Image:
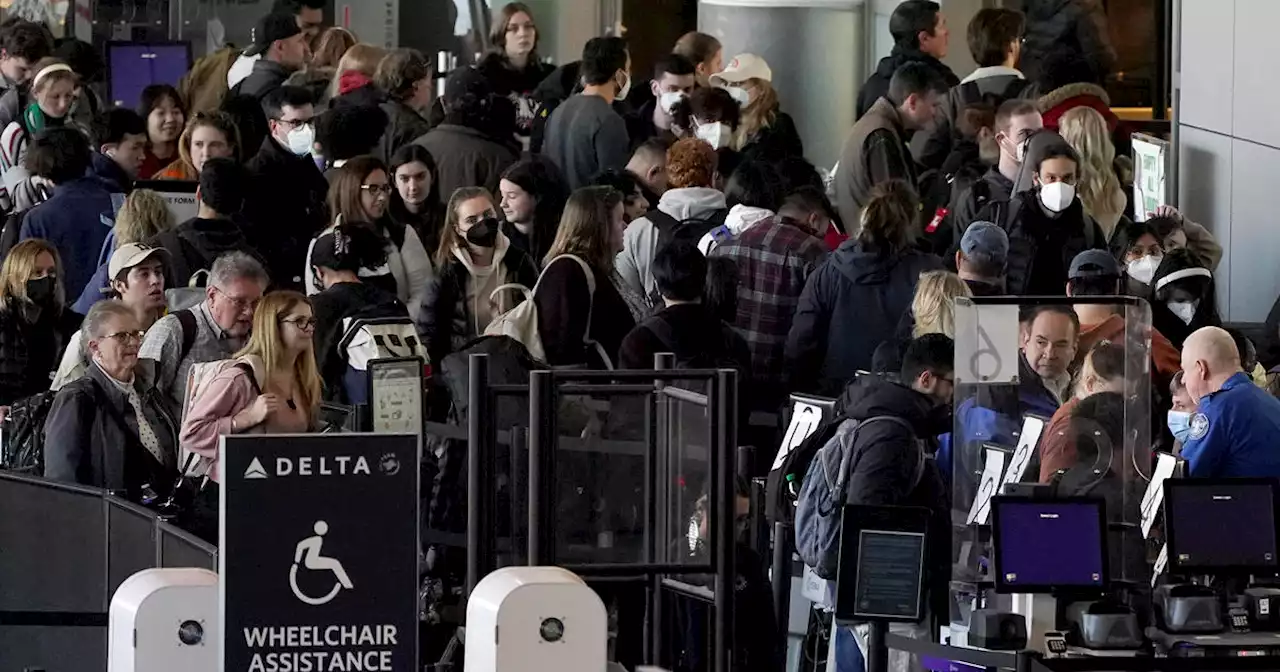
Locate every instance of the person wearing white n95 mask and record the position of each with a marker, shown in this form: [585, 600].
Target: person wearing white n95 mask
[716, 134]
[1047, 225]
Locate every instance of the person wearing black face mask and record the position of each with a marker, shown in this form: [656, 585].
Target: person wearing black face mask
[32, 320]
[474, 259]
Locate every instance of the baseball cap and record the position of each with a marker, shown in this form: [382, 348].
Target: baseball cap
[271, 28]
[133, 254]
[986, 244]
[1093, 264]
[467, 81]
[742, 68]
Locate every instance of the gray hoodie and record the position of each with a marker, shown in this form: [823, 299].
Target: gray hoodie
[640, 241]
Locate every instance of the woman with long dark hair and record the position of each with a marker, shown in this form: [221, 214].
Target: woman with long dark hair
[416, 200]
[533, 196]
[359, 194]
[162, 107]
[514, 68]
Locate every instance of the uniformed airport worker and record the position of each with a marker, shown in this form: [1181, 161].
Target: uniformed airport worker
[1233, 432]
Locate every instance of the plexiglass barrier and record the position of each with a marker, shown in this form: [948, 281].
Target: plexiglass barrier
[1041, 400]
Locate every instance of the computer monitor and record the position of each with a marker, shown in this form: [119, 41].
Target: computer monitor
[133, 66]
[1049, 545]
[1221, 525]
[881, 574]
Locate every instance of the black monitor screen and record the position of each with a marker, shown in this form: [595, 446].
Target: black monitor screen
[1049, 545]
[1220, 524]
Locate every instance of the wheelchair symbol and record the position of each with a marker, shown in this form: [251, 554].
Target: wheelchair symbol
[308, 554]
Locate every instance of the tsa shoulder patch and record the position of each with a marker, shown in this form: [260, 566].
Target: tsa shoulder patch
[1199, 425]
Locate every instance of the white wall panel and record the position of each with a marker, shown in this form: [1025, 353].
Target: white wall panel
[1205, 185]
[1253, 274]
[1255, 97]
[1208, 30]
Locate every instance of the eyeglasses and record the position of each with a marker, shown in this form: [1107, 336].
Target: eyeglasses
[241, 304]
[127, 336]
[294, 123]
[376, 189]
[302, 323]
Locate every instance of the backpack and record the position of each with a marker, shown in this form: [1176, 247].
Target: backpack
[521, 323]
[823, 494]
[376, 332]
[198, 380]
[22, 445]
[669, 228]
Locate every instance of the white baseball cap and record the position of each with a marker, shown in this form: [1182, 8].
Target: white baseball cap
[742, 68]
[133, 254]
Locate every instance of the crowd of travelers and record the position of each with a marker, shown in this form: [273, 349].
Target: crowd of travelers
[592, 216]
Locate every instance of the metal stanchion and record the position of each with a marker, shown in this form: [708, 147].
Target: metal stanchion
[480, 433]
[722, 405]
[877, 648]
[781, 578]
[542, 445]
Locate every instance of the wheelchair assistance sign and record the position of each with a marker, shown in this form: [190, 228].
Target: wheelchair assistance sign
[319, 553]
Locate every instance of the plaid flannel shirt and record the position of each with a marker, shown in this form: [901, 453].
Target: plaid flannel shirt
[774, 259]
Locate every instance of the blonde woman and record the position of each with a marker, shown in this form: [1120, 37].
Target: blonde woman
[1099, 188]
[272, 386]
[355, 73]
[764, 130]
[143, 216]
[31, 319]
[934, 306]
[318, 75]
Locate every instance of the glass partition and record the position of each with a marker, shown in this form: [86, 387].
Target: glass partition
[1048, 407]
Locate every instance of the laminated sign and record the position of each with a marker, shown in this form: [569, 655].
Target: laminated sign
[319, 553]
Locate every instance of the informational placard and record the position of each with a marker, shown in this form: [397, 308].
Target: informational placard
[807, 414]
[988, 485]
[1150, 166]
[179, 196]
[1028, 440]
[890, 574]
[1162, 563]
[319, 552]
[395, 395]
[986, 342]
[1153, 498]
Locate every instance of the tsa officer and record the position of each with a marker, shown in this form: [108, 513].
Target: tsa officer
[1233, 432]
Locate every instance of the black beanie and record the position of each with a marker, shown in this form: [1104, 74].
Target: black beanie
[224, 185]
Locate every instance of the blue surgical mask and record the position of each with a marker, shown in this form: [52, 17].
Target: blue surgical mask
[1180, 425]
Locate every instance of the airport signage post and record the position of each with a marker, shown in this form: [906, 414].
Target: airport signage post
[319, 552]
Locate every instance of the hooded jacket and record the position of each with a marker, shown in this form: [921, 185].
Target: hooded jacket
[640, 240]
[886, 457]
[194, 244]
[1066, 29]
[71, 220]
[267, 76]
[110, 174]
[877, 85]
[850, 305]
[1041, 247]
[448, 316]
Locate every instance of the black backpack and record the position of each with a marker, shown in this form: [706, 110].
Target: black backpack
[669, 228]
[969, 93]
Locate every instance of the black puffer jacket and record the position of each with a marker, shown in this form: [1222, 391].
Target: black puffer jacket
[877, 85]
[1066, 30]
[1041, 247]
[29, 351]
[194, 244]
